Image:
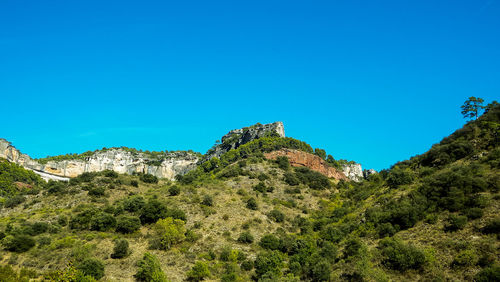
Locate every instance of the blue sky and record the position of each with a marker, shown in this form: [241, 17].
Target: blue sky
[370, 81]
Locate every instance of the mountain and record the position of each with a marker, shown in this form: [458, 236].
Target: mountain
[268, 209]
[160, 164]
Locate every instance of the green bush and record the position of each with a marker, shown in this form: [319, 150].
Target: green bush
[128, 224]
[110, 173]
[385, 230]
[207, 201]
[270, 242]
[401, 256]
[268, 262]
[18, 243]
[276, 215]
[97, 191]
[148, 178]
[247, 265]
[55, 187]
[174, 190]
[245, 237]
[283, 162]
[121, 249]
[291, 179]
[169, 232]
[134, 183]
[492, 227]
[103, 222]
[398, 177]
[92, 267]
[198, 272]
[474, 213]
[152, 211]
[252, 204]
[353, 247]
[455, 222]
[14, 201]
[149, 269]
[134, 203]
[488, 274]
[313, 179]
[465, 258]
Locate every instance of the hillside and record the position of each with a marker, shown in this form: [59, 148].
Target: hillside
[245, 215]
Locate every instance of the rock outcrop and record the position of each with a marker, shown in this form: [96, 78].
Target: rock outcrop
[300, 158]
[368, 172]
[237, 137]
[167, 165]
[353, 171]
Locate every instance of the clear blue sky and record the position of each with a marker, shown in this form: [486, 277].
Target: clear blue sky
[370, 81]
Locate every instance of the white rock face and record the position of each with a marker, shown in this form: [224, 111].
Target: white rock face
[119, 160]
[353, 171]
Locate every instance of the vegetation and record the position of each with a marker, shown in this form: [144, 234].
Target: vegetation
[241, 217]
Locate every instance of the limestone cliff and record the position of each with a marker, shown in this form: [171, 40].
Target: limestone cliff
[237, 137]
[353, 171]
[167, 165]
[299, 158]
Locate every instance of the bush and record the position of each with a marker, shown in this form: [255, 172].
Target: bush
[268, 262]
[148, 178]
[465, 258]
[398, 177]
[92, 267]
[353, 247]
[246, 238]
[492, 227]
[134, 183]
[488, 274]
[198, 272]
[18, 243]
[313, 179]
[40, 227]
[153, 211]
[401, 256]
[385, 230]
[291, 179]
[169, 231]
[174, 190]
[103, 222]
[120, 249]
[134, 203]
[110, 173]
[97, 191]
[207, 201]
[270, 242]
[247, 265]
[54, 187]
[149, 270]
[252, 204]
[276, 215]
[14, 201]
[283, 162]
[474, 213]
[455, 222]
[128, 224]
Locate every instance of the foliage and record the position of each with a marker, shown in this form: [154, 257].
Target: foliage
[252, 204]
[170, 231]
[92, 267]
[455, 222]
[18, 243]
[153, 211]
[401, 256]
[283, 162]
[174, 190]
[198, 272]
[488, 274]
[492, 227]
[313, 179]
[276, 215]
[149, 269]
[472, 107]
[148, 178]
[11, 173]
[127, 224]
[121, 249]
[268, 262]
[245, 237]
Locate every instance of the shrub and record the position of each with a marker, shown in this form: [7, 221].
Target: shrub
[18, 243]
[207, 201]
[97, 191]
[455, 222]
[268, 262]
[488, 274]
[82, 219]
[174, 190]
[252, 204]
[270, 242]
[153, 211]
[276, 215]
[261, 187]
[148, 178]
[291, 179]
[283, 162]
[128, 224]
[103, 222]
[321, 271]
[110, 173]
[134, 203]
[492, 227]
[398, 177]
[54, 187]
[245, 237]
[465, 258]
[474, 213]
[401, 256]
[313, 179]
[134, 183]
[149, 269]
[169, 231]
[14, 201]
[198, 272]
[385, 230]
[353, 247]
[92, 267]
[121, 249]
[86, 176]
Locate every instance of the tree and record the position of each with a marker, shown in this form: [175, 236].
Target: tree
[472, 107]
[170, 231]
[149, 269]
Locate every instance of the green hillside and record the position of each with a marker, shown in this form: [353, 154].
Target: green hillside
[435, 217]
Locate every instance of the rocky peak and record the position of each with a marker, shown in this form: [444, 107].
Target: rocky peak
[237, 137]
